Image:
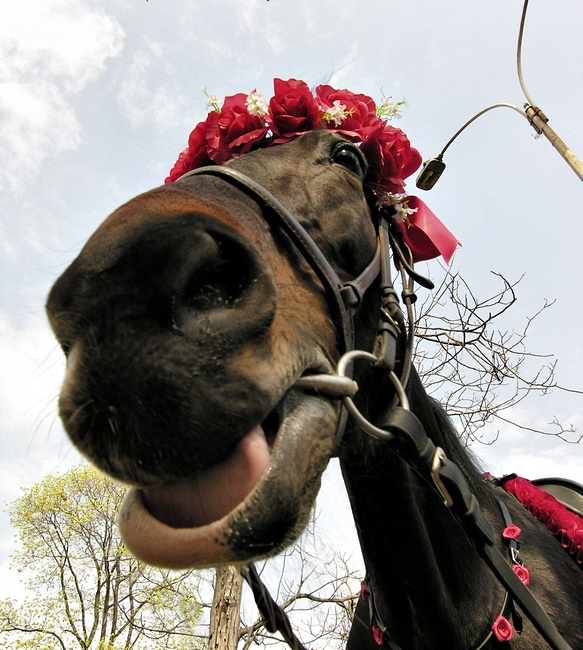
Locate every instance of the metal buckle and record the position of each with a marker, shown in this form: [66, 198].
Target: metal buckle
[436, 464]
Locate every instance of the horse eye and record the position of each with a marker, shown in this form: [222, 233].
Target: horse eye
[348, 156]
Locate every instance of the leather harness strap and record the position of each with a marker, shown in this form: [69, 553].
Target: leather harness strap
[413, 445]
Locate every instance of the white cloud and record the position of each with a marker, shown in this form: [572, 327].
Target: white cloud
[32, 442]
[37, 122]
[32, 370]
[142, 98]
[50, 50]
[534, 455]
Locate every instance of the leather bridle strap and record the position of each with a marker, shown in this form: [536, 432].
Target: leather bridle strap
[341, 296]
[274, 617]
[411, 442]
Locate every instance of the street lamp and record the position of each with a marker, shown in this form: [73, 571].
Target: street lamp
[434, 167]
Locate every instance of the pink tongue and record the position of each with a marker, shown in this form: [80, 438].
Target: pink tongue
[192, 502]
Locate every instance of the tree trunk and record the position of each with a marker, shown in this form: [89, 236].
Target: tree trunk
[224, 623]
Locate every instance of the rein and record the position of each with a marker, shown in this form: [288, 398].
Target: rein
[400, 427]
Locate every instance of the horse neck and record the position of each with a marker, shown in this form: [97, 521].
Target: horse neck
[427, 581]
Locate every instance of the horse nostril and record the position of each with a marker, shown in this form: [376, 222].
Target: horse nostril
[220, 283]
[230, 286]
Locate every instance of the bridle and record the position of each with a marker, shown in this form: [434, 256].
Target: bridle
[341, 296]
[399, 426]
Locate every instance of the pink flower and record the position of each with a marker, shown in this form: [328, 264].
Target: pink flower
[577, 544]
[234, 130]
[559, 520]
[293, 110]
[563, 523]
[511, 532]
[522, 489]
[502, 629]
[364, 591]
[522, 572]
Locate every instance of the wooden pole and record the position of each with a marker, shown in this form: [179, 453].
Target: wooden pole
[225, 617]
[540, 122]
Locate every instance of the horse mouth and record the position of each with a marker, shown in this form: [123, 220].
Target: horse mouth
[210, 495]
[251, 505]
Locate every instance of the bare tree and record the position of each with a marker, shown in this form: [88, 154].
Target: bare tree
[476, 367]
[318, 591]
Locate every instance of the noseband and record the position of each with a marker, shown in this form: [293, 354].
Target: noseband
[400, 426]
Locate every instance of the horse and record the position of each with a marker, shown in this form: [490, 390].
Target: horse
[204, 324]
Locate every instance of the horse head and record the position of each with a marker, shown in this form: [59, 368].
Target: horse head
[187, 320]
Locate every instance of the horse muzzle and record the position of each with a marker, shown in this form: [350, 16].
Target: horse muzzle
[168, 318]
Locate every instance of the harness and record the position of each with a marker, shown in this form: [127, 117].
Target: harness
[400, 427]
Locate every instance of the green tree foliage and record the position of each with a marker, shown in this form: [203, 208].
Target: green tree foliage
[90, 592]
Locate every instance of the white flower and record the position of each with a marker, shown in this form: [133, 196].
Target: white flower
[401, 205]
[256, 104]
[397, 111]
[403, 212]
[336, 113]
[388, 109]
[212, 101]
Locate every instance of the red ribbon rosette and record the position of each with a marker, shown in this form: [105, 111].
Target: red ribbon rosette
[502, 629]
[424, 233]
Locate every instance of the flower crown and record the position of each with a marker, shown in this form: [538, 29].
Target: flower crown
[244, 122]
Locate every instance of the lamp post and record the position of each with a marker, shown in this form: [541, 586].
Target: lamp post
[434, 167]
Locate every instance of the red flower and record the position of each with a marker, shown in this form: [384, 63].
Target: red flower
[293, 110]
[234, 130]
[522, 572]
[197, 146]
[511, 532]
[378, 635]
[502, 629]
[194, 156]
[387, 149]
[360, 119]
[391, 158]
[181, 166]
[245, 121]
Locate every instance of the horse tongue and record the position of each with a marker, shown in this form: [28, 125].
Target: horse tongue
[197, 501]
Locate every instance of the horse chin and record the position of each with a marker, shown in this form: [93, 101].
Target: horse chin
[253, 505]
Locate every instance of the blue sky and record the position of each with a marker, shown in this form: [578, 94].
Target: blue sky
[96, 101]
